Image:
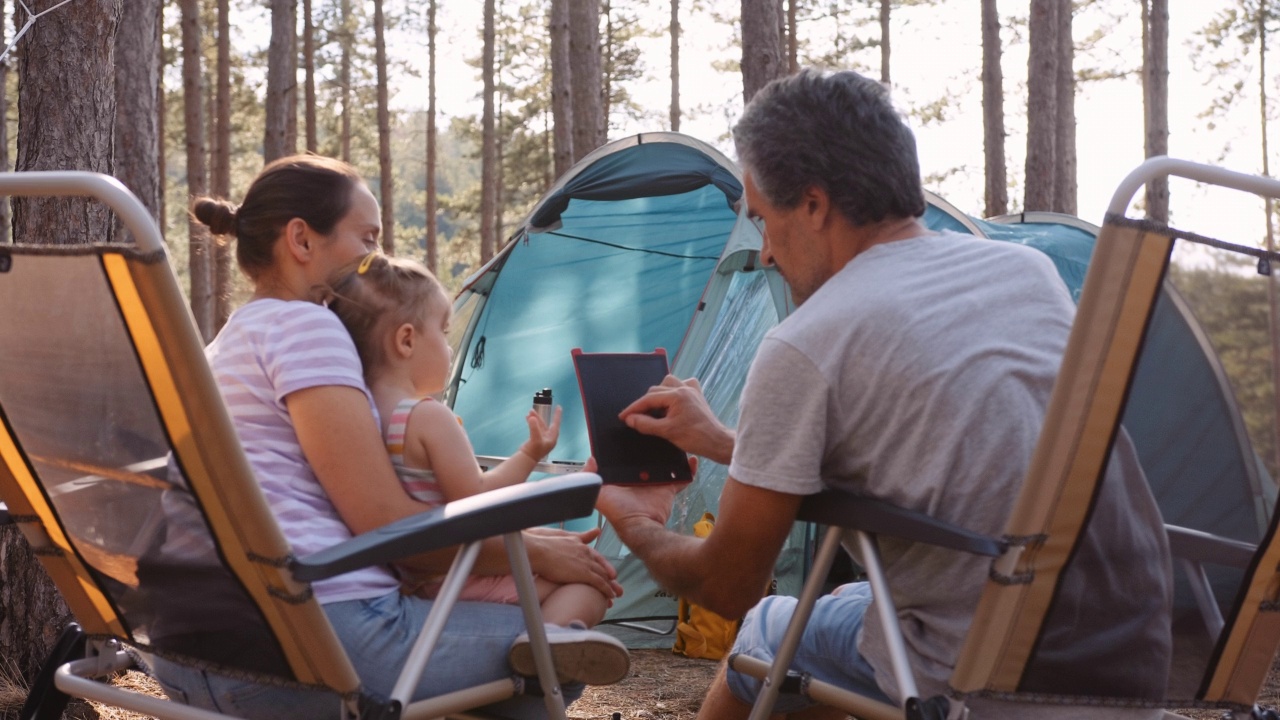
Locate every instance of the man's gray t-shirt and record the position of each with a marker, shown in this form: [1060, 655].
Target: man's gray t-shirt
[920, 374]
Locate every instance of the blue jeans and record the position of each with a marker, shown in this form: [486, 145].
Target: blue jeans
[828, 649]
[378, 634]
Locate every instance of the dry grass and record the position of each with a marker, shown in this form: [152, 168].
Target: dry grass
[660, 686]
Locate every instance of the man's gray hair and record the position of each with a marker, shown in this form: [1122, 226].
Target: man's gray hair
[838, 132]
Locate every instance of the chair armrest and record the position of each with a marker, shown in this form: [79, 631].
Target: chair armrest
[857, 512]
[496, 512]
[1202, 547]
[5, 518]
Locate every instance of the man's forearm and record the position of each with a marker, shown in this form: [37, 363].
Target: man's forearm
[681, 566]
[671, 558]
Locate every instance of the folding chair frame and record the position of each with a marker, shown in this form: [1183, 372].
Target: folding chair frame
[465, 523]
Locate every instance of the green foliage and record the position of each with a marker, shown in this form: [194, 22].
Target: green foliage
[1229, 298]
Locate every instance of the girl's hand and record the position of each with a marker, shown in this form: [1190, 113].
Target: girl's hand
[541, 436]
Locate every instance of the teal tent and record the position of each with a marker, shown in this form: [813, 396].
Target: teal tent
[641, 245]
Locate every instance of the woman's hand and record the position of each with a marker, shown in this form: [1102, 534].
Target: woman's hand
[542, 437]
[567, 557]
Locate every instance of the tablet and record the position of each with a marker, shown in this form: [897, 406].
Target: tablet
[610, 382]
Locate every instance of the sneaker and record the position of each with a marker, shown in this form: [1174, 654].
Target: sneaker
[580, 655]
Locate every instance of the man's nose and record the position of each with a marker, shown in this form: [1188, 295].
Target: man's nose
[766, 251]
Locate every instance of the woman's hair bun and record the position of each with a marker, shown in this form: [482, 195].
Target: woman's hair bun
[219, 215]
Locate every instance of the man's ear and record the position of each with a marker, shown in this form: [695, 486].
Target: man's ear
[403, 340]
[298, 239]
[817, 206]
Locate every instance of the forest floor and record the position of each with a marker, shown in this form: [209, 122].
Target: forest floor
[660, 686]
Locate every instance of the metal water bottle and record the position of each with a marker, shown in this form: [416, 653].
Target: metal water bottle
[542, 404]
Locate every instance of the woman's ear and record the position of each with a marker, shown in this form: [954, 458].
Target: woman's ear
[298, 239]
[403, 340]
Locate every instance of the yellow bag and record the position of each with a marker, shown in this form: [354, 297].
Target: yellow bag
[701, 633]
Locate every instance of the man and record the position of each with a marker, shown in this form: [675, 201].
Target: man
[916, 368]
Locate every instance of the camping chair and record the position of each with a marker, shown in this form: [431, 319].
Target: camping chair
[125, 475]
[1222, 648]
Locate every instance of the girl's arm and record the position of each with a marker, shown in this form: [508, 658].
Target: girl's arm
[434, 439]
[344, 447]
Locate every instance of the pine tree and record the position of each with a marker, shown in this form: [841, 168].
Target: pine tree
[200, 260]
[993, 133]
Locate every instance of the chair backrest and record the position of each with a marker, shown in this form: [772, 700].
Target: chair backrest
[125, 474]
[1006, 654]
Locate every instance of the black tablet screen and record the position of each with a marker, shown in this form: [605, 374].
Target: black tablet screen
[609, 383]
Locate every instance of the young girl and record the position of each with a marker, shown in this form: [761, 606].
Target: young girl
[398, 314]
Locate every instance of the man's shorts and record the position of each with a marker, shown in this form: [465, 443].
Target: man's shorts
[828, 651]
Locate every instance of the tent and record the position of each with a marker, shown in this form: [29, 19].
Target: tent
[641, 245]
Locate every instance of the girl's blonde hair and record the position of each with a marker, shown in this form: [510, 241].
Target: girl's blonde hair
[376, 293]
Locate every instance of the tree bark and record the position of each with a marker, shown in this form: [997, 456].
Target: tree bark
[66, 120]
[162, 141]
[1042, 105]
[885, 7]
[137, 144]
[1273, 295]
[220, 178]
[586, 89]
[309, 72]
[201, 259]
[6, 210]
[993, 133]
[432, 252]
[1064, 148]
[347, 37]
[489, 144]
[386, 180]
[606, 72]
[561, 87]
[761, 46]
[1155, 96]
[281, 80]
[793, 39]
[675, 66]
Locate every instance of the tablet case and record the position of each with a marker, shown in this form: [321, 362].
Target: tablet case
[610, 382]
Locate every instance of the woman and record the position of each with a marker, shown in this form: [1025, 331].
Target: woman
[292, 382]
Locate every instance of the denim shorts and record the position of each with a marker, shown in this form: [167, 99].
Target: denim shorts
[378, 634]
[828, 650]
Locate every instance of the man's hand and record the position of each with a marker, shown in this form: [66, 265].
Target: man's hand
[677, 411]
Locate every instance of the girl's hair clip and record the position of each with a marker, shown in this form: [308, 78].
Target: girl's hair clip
[365, 263]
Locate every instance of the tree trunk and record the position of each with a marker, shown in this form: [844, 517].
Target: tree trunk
[137, 146]
[561, 87]
[885, 7]
[1155, 96]
[606, 67]
[309, 71]
[1042, 105]
[6, 211]
[761, 46]
[1273, 296]
[793, 38]
[220, 178]
[1064, 148]
[201, 259]
[675, 66]
[386, 180]
[66, 116]
[584, 61]
[347, 38]
[281, 79]
[161, 141]
[432, 253]
[993, 133]
[489, 144]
